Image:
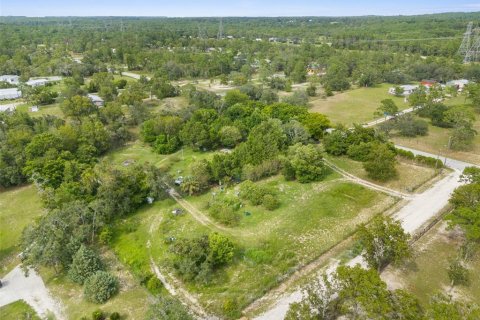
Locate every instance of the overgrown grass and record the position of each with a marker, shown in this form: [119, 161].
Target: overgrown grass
[271, 244]
[18, 310]
[356, 105]
[18, 207]
[427, 275]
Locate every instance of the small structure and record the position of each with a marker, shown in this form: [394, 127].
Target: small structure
[407, 89]
[179, 181]
[128, 162]
[36, 82]
[96, 100]
[11, 79]
[150, 200]
[177, 212]
[12, 93]
[459, 84]
[33, 109]
[428, 83]
[226, 150]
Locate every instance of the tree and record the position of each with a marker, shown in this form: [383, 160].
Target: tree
[191, 185]
[221, 249]
[408, 126]
[85, 263]
[387, 108]
[384, 241]
[201, 173]
[77, 107]
[457, 273]
[100, 287]
[335, 143]
[316, 124]
[380, 164]
[235, 96]
[230, 136]
[306, 162]
[168, 308]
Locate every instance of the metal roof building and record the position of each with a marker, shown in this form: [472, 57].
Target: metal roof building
[12, 93]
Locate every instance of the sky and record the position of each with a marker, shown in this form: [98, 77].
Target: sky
[217, 8]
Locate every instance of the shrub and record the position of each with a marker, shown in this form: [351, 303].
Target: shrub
[98, 315]
[359, 152]
[231, 308]
[224, 213]
[85, 263]
[114, 316]
[100, 287]
[154, 285]
[270, 202]
[106, 235]
[405, 154]
[381, 163]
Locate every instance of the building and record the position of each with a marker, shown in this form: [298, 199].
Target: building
[36, 82]
[428, 83]
[33, 109]
[459, 84]
[12, 93]
[407, 89]
[11, 79]
[96, 100]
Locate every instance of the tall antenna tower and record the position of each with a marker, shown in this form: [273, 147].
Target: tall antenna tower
[470, 47]
[220, 30]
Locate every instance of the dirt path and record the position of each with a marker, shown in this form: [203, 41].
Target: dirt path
[32, 290]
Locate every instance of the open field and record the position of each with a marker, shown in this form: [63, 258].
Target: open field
[18, 208]
[272, 244]
[436, 142]
[427, 275]
[356, 105]
[410, 176]
[131, 302]
[18, 310]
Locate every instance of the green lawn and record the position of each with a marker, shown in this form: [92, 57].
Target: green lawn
[18, 208]
[272, 244]
[18, 310]
[356, 105]
[428, 274]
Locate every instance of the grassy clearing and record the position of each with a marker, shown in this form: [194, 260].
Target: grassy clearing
[355, 106]
[272, 244]
[410, 176]
[18, 208]
[428, 274]
[131, 302]
[436, 142]
[18, 310]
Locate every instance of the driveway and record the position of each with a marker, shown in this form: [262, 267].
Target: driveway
[32, 290]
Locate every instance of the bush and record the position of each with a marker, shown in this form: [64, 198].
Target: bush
[115, 316]
[154, 285]
[85, 263]
[381, 163]
[359, 152]
[224, 213]
[405, 154]
[265, 169]
[106, 235]
[100, 287]
[98, 315]
[231, 308]
[270, 202]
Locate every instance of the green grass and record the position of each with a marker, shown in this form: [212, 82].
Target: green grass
[18, 310]
[356, 105]
[410, 176]
[272, 244]
[428, 274]
[18, 208]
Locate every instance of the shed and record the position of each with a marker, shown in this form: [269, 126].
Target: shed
[11, 79]
[37, 82]
[459, 84]
[33, 109]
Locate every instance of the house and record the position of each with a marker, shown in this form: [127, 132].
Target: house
[407, 89]
[96, 100]
[37, 82]
[12, 93]
[428, 83]
[11, 79]
[459, 84]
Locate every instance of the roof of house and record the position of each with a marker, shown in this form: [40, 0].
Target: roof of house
[33, 82]
[94, 97]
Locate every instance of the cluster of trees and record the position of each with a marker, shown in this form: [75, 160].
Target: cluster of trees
[366, 145]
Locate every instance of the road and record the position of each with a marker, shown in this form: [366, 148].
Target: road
[10, 106]
[382, 120]
[32, 290]
[134, 75]
[413, 216]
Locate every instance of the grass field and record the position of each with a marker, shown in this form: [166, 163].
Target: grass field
[354, 106]
[18, 310]
[131, 302]
[428, 274]
[410, 176]
[272, 244]
[18, 208]
[437, 140]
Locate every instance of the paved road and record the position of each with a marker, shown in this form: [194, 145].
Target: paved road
[382, 120]
[413, 217]
[32, 290]
[133, 75]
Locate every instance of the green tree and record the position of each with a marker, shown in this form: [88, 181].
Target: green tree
[384, 241]
[457, 273]
[230, 136]
[316, 124]
[380, 164]
[222, 249]
[387, 108]
[84, 264]
[77, 107]
[168, 308]
[100, 287]
[307, 163]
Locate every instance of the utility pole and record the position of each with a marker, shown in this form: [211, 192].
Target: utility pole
[220, 30]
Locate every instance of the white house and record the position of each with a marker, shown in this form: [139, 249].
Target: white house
[459, 84]
[96, 100]
[36, 82]
[12, 93]
[407, 89]
[11, 79]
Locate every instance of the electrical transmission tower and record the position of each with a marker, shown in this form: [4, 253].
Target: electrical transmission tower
[220, 30]
[470, 47]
